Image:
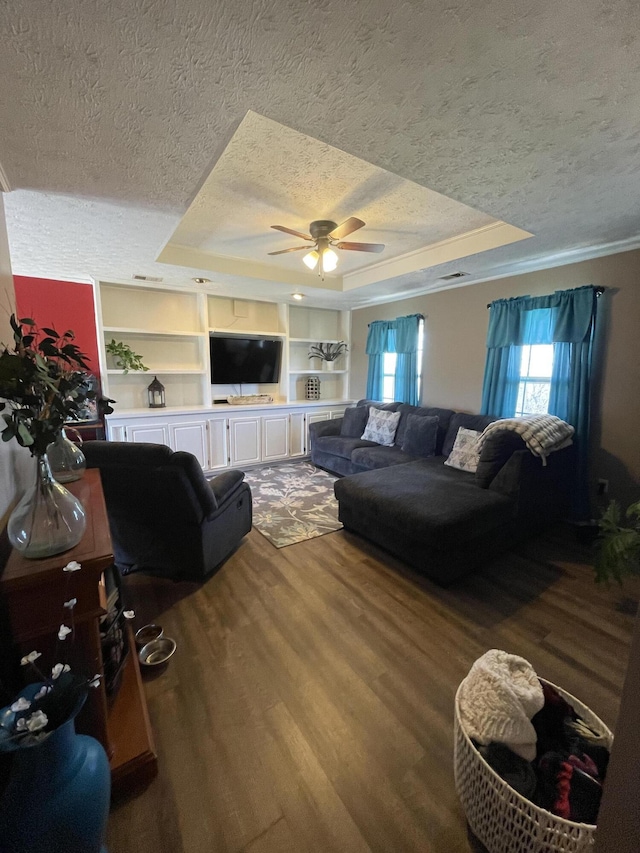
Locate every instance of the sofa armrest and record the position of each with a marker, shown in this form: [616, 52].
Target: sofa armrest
[541, 491]
[320, 428]
[224, 484]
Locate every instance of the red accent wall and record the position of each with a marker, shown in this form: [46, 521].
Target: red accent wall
[62, 305]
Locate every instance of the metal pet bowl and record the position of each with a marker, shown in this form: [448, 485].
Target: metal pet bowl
[146, 634]
[157, 651]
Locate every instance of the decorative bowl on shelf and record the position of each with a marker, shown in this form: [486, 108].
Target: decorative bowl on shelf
[146, 634]
[157, 652]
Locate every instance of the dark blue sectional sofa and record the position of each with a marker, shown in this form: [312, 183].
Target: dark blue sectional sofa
[440, 520]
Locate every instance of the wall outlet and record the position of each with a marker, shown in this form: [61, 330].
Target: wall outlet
[602, 488]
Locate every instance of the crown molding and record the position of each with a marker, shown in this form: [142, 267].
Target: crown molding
[492, 236]
[558, 259]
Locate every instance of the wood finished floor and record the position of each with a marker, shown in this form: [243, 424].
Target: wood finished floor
[309, 705]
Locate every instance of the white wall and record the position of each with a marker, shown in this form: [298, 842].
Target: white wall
[15, 461]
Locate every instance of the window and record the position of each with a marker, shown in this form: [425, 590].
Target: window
[536, 366]
[389, 362]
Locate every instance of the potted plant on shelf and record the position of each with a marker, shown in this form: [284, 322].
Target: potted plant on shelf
[124, 358]
[328, 353]
[618, 545]
[43, 383]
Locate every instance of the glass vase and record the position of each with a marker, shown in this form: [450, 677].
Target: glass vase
[65, 458]
[48, 519]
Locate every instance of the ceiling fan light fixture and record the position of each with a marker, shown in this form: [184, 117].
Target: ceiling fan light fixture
[311, 259]
[329, 260]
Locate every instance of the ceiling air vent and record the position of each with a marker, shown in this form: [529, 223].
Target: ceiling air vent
[146, 278]
[453, 275]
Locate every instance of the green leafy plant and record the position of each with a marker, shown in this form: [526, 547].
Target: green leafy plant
[328, 352]
[125, 358]
[618, 546]
[43, 382]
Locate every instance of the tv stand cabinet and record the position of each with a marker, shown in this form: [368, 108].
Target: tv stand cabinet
[223, 435]
[32, 593]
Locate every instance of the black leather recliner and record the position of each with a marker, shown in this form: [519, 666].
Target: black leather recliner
[165, 517]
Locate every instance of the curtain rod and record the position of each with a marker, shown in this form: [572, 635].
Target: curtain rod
[599, 291]
[420, 316]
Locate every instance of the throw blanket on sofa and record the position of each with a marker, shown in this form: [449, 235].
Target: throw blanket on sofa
[543, 434]
[497, 700]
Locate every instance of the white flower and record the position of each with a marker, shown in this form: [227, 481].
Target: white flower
[62, 633]
[129, 614]
[73, 566]
[21, 725]
[20, 704]
[71, 603]
[30, 658]
[38, 720]
[95, 681]
[58, 669]
[46, 688]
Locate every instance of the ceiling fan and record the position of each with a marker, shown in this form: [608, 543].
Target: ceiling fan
[324, 235]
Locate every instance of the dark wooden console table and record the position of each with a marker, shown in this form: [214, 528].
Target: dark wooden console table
[32, 593]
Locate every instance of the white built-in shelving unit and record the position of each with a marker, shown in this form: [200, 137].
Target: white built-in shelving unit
[170, 329]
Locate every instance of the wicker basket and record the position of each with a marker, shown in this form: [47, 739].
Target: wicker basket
[503, 820]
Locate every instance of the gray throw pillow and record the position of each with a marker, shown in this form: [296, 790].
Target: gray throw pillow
[381, 427]
[420, 436]
[354, 421]
[465, 454]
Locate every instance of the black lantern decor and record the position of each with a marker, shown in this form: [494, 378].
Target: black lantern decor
[156, 394]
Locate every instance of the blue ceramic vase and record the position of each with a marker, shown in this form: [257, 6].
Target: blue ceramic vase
[57, 799]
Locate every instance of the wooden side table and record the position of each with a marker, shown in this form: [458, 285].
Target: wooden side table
[32, 594]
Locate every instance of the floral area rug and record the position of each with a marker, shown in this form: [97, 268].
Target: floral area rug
[293, 502]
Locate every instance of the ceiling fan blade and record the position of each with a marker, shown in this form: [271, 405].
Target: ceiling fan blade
[291, 231]
[347, 227]
[284, 251]
[361, 247]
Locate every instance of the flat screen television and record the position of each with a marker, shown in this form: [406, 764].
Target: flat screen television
[249, 361]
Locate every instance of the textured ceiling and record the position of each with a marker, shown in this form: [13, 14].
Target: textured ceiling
[272, 175]
[112, 115]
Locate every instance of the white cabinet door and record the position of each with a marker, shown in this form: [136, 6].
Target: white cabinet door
[218, 443]
[338, 413]
[297, 434]
[312, 418]
[192, 437]
[275, 437]
[244, 438]
[154, 433]
[117, 432]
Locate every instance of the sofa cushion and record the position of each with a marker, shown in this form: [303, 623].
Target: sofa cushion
[460, 419]
[405, 411]
[381, 426]
[495, 453]
[420, 435]
[379, 457]
[340, 445]
[386, 407]
[354, 421]
[426, 502]
[444, 418]
[465, 453]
